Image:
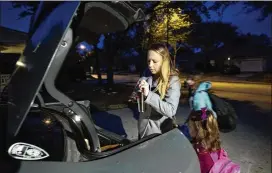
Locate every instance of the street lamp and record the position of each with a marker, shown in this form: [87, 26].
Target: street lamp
[228, 58]
[82, 47]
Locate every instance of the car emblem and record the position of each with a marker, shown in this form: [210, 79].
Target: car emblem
[24, 151]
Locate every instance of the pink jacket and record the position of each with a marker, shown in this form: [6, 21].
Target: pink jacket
[204, 157]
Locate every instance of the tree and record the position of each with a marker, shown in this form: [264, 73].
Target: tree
[29, 7]
[211, 35]
[115, 44]
[168, 25]
[195, 9]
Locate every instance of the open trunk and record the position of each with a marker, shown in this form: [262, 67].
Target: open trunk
[47, 136]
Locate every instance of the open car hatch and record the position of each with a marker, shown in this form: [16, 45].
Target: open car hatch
[48, 29]
[34, 63]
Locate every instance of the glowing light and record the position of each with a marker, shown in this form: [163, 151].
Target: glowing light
[77, 117]
[47, 121]
[21, 64]
[228, 58]
[82, 47]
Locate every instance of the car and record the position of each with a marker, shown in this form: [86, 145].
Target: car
[231, 69]
[61, 136]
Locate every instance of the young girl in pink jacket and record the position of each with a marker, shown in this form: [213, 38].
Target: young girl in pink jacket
[204, 131]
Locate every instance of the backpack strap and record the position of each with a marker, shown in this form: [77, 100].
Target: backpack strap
[215, 156]
[223, 154]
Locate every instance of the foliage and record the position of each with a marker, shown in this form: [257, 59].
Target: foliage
[28, 6]
[211, 35]
[167, 25]
[195, 9]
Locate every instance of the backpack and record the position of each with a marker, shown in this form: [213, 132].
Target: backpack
[185, 130]
[226, 114]
[223, 164]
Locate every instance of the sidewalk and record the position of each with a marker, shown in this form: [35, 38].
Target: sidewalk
[241, 78]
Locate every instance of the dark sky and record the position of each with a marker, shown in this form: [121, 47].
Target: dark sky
[245, 22]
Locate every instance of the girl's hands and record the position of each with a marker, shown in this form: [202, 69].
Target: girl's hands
[144, 87]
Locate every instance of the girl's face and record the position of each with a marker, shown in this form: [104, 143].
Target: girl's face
[154, 61]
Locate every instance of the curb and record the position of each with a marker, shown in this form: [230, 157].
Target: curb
[245, 82]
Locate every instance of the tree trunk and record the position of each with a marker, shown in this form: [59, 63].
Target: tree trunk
[110, 63]
[174, 56]
[143, 63]
[98, 65]
[110, 59]
[110, 80]
[167, 25]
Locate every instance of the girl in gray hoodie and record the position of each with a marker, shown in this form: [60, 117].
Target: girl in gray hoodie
[161, 91]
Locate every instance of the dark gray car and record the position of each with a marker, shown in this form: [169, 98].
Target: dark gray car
[61, 137]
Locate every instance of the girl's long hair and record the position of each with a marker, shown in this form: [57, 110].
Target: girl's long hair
[167, 68]
[207, 132]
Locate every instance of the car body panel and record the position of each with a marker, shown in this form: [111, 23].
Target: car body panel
[42, 129]
[167, 153]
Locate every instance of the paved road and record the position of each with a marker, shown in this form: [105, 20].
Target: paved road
[261, 89]
[261, 101]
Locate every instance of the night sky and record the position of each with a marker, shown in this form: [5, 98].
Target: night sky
[246, 22]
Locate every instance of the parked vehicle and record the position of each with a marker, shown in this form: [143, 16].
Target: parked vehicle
[36, 136]
[231, 69]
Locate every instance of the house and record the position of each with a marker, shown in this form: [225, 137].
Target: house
[249, 58]
[251, 64]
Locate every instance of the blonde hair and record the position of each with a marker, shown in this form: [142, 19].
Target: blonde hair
[167, 68]
[207, 132]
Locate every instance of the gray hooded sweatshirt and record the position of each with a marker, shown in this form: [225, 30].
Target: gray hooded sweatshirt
[156, 109]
